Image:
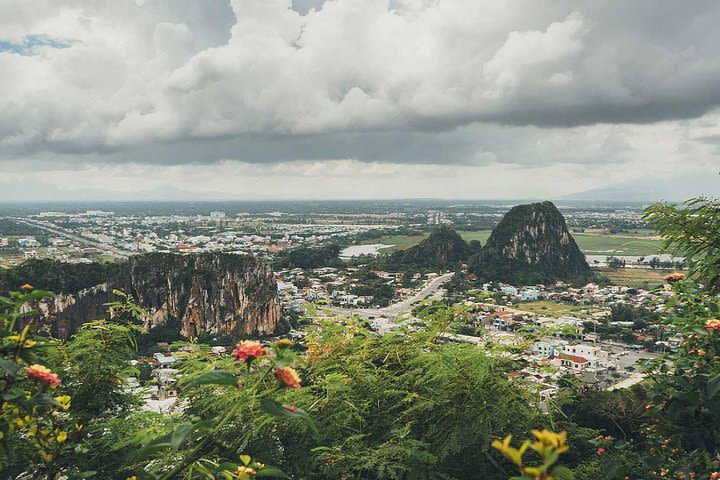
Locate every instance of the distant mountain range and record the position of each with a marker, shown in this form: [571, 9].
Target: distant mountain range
[43, 192]
[650, 189]
[642, 189]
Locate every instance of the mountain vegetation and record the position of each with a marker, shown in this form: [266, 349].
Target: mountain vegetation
[60, 277]
[531, 244]
[311, 257]
[443, 248]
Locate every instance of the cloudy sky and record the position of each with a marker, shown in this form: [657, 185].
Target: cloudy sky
[188, 99]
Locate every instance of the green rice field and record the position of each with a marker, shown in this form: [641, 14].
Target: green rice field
[590, 243]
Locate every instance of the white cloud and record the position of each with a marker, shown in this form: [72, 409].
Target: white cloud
[360, 90]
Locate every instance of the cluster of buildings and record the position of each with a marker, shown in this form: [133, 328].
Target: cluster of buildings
[586, 295]
[96, 232]
[333, 286]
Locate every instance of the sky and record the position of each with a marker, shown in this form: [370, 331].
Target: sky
[313, 99]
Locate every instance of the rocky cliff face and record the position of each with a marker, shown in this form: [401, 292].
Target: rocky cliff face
[531, 244]
[214, 293]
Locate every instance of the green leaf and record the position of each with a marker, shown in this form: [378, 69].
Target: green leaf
[35, 294]
[215, 378]
[271, 472]
[277, 410]
[9, 366]
[45, 400]
[245, 459]
[230, 467]
[157, 445]
[612, 468]
[145, 475]
[713, 386]
[82, 475]
[179, 435]
[563, 473]
[14, 394]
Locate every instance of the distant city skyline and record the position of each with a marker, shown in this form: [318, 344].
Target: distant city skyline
[274, 99]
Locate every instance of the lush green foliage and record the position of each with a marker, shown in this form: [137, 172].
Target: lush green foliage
[312, 257]
[443, 248]
[693, 231]
[60, 277]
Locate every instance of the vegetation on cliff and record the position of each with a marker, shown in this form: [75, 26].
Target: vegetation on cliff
[531, 244]
[59, 277]
[443, 248]
[311, 257]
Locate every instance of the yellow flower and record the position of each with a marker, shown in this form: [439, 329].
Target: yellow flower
[284, 343]
[244, 472]
[547, 438]
[62, 436]
[64, 401]
[512, 454]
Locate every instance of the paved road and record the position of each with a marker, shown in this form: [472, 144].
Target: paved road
[392, 311]
[78, 238]
[634, 378]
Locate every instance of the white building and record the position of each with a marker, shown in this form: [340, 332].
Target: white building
[529, 295]
[574, 362]
[28, 242]
[588, 351]
[509, 290]
[546, 348]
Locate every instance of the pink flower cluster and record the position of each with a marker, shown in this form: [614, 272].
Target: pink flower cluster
[39, 372]
[288, 376]
[713, 324]
[249, 350]
[674, 277]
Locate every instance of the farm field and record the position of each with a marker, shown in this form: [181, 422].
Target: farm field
[597, 244]
[551, 309]
[591, 243]
[634, 277]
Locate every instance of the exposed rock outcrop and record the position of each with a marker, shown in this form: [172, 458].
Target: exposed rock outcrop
[531, 244]
[215, 293]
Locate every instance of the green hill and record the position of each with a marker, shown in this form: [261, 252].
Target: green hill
[531, 244]
[444, 247]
